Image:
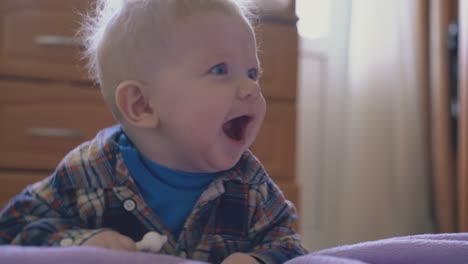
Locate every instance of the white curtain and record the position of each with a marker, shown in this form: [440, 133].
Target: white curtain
[385, 188]
[370, 178]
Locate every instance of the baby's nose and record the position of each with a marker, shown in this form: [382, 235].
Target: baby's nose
[248, 90]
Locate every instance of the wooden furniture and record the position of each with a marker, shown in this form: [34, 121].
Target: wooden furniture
[441, 14]
[275, 145]
[48, 105]
[463, 117]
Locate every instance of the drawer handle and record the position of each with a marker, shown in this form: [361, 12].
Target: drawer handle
[56, 40]
[52, 132]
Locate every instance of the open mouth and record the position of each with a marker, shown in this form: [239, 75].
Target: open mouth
[235, 128]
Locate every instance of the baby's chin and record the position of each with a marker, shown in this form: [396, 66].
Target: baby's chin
[225, 164]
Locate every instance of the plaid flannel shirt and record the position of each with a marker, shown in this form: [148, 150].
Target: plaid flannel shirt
[91, 190]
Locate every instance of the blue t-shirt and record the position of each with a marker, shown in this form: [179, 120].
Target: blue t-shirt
[170, 193]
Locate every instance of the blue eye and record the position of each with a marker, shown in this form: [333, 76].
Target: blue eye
[219, 69]
[253, 74]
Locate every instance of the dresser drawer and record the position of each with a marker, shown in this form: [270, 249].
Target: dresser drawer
[278, 54]
[13, 182]
[36, 38]
[277, 10]
[42, 122]
[275, 143]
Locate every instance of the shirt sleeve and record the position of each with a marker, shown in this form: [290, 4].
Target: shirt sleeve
[36, 217]
[272, 226]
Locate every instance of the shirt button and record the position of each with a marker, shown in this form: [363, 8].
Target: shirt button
[66, 242]
[129, 205]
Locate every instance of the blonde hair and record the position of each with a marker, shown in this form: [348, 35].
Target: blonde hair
[116, 32]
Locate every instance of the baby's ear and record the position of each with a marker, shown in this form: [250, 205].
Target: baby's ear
[133, 101]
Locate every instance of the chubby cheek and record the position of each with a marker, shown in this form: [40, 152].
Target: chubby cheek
[205, 127]
[262, 107]
[211, 120]
[260, 113]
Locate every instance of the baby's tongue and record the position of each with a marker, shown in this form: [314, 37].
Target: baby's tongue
[234, 128]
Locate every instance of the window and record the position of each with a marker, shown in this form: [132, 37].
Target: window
[314, 16]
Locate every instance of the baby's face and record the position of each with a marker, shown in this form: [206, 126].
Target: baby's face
[207, 95]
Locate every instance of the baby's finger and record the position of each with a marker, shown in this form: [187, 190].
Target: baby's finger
[127, 243]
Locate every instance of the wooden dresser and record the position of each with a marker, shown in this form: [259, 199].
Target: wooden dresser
[275, 145]
[462, 158]
[48, 105]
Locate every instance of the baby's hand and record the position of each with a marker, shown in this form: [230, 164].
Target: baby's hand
[111, 240]
[237, 258]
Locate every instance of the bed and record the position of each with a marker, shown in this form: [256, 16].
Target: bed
[428, 249]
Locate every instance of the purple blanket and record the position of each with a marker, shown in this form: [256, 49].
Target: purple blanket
[428, 249]
[81, 255]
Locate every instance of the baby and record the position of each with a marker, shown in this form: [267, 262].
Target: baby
[182, 79]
